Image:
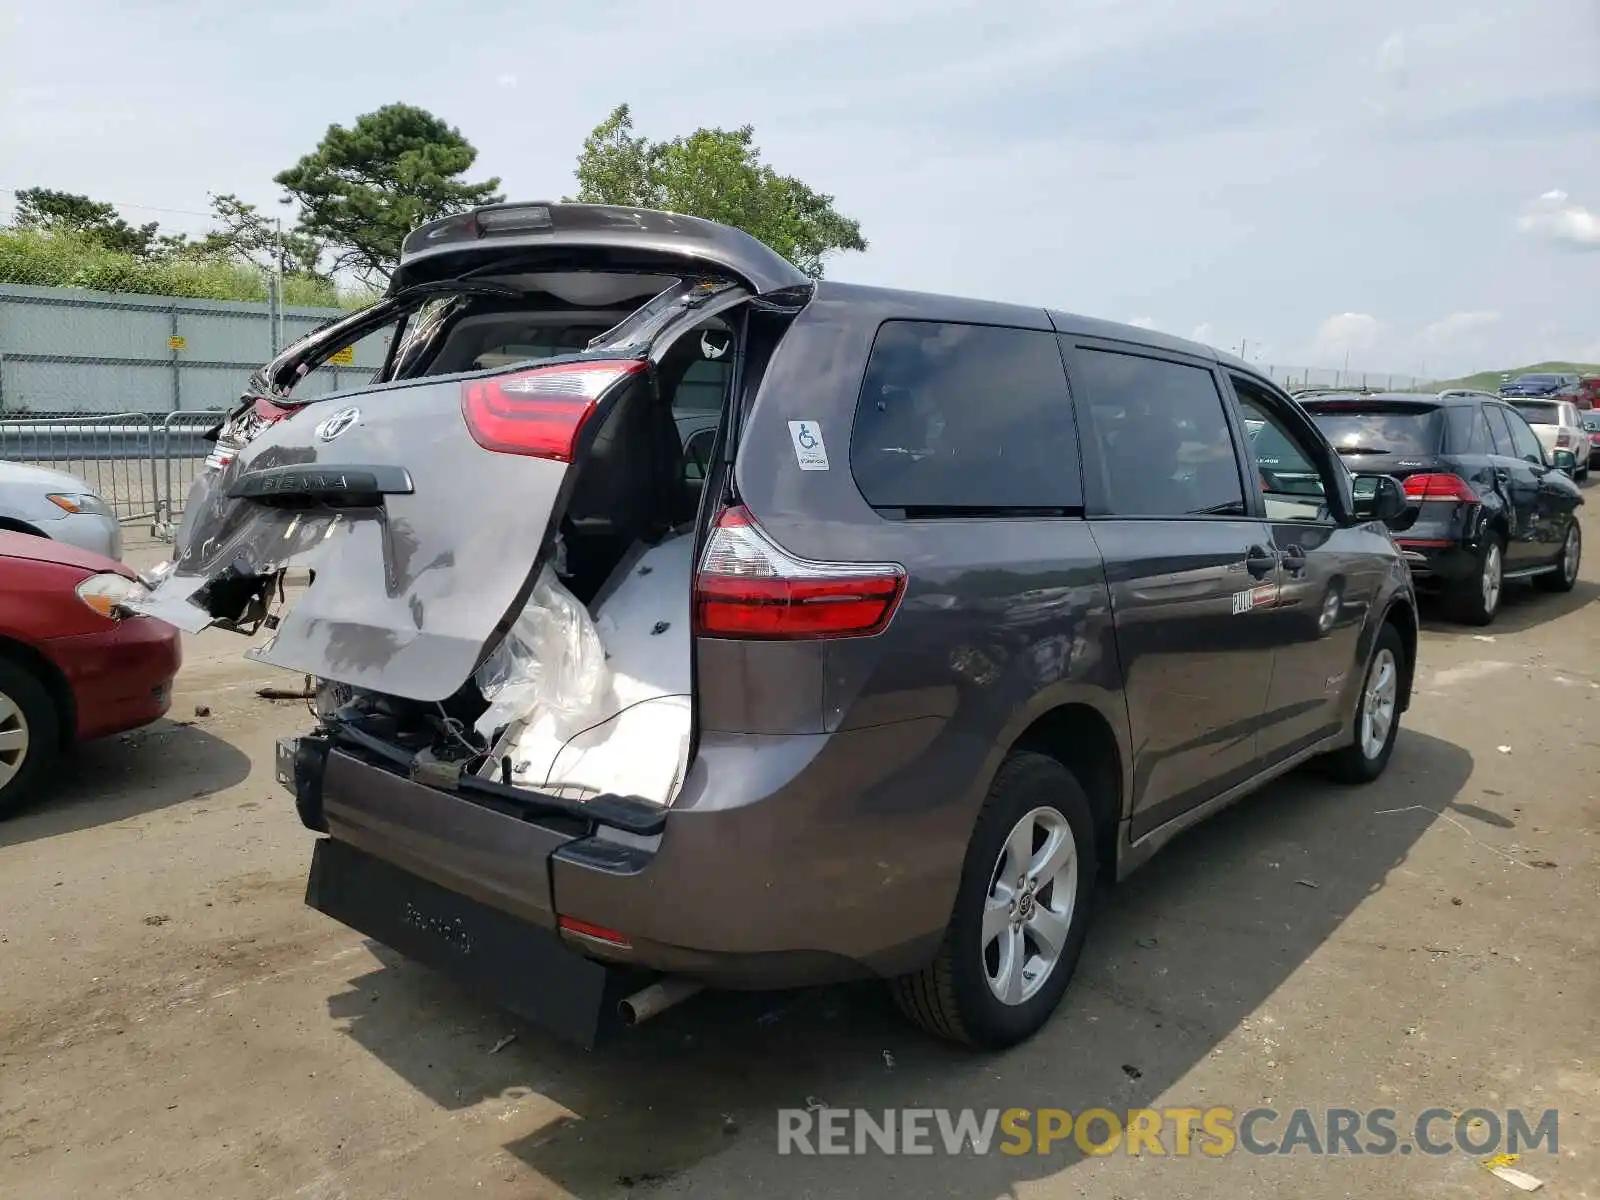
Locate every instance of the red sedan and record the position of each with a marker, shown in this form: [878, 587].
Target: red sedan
[72, 667]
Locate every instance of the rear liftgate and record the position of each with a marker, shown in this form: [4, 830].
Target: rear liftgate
[425, 510]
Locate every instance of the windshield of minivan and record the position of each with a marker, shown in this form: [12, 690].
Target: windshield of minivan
[1538, 380]
[1376, 429]
[1539, 412]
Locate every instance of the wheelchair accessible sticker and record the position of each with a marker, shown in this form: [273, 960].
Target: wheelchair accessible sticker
[809, 451]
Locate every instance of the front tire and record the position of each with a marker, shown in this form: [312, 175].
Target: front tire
[1476, 599]
[1565, 576]
[30, 735]
[1378, 714]
[1021, 912]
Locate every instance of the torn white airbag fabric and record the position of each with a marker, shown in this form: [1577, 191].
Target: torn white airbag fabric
[633, 737]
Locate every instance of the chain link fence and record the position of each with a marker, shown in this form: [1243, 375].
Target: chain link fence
[119, 389]
[64, 352]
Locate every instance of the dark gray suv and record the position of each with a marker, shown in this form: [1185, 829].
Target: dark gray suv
[958, 608]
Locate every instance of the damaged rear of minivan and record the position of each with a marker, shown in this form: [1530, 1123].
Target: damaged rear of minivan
[497, 558]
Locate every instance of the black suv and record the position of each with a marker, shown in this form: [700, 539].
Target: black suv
[965, 606]
[1486, 506]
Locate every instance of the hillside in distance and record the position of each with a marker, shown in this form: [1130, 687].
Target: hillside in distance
[1489, 381]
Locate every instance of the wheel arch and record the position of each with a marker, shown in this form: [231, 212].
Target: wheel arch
[1402, 614]
[13, 525]
[55, 683]
[1079, 737]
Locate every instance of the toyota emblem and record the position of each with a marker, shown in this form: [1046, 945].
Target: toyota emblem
[333, 426]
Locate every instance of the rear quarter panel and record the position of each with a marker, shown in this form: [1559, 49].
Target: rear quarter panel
[1003, 620]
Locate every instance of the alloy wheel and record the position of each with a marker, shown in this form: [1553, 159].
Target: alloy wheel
[1492, 578]
[13, 739]
[1028, 911]
[1378, 706]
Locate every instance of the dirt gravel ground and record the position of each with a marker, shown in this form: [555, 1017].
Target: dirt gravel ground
[175, 1023]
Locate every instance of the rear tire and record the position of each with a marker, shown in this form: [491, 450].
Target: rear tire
[1021, 912]
[30, 735]
[1377, 716]
[1476, 599]
[1565, 576]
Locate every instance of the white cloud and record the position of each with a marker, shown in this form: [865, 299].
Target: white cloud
[508, 80]
[1142, 322]
[1348, 333]
[1556, 219]
[1204, 334]
[1449, 330]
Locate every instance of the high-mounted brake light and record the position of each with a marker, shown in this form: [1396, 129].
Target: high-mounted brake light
[511, 217]
[750, 587]
[538, 412]
[1439, 486]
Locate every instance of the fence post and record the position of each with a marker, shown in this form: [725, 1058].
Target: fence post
[177, 383]
[164, 507]
[155, 482]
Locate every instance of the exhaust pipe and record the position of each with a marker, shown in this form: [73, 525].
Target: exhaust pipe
[655, 999]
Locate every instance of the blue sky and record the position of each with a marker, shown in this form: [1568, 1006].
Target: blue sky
[1413, 182]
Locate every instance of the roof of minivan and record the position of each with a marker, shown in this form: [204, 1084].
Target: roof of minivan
[938, 306]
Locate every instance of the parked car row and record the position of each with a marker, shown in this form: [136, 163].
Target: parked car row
[1582, 390]
[1491, 487]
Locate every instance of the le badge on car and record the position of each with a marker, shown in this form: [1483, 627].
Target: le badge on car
[333, 426]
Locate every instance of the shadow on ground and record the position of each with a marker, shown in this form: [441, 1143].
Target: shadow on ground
[1522, 607]
[1179, 955]
[125, 776]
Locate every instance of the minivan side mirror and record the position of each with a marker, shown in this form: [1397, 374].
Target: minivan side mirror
[1378, 498]
[1565, 461]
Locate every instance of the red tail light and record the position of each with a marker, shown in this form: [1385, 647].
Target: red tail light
[1440, 487]
[589, 929]
[750, 587]
[541, 411]
[1563, 437]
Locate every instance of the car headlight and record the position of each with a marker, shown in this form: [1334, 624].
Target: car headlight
[86, 503]
[107, 593]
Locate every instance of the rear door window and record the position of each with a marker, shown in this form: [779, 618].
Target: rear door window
[1165, 446]
[959, 418]
[1523, 439]
[1469, 430]
[1500, 428]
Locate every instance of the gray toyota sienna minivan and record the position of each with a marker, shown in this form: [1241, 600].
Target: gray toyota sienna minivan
[682, 621]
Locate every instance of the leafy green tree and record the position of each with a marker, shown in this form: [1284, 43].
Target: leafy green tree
[364, 188]
[716, 174]
[50, 211]
[244, 234]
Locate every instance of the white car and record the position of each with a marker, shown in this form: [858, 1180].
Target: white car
[58, 506]
[1559, 426]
